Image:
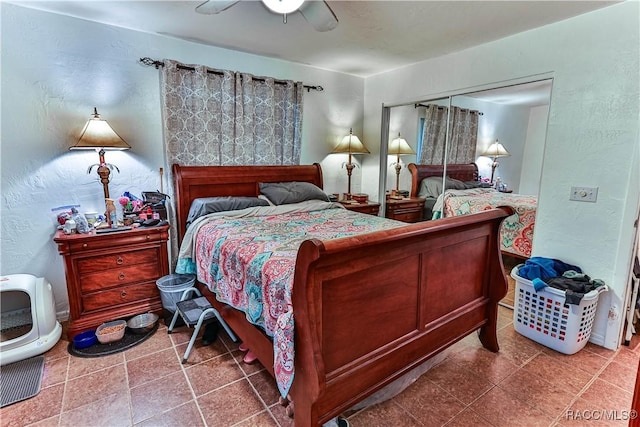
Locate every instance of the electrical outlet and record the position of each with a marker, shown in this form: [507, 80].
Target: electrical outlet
[584, 194]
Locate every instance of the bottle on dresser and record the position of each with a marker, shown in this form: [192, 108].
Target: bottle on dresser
[112, 219]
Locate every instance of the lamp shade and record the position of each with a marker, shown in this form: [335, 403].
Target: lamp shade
[283, 6]
[351, 144]
[496, 150]
[399, 146]
[97, 134]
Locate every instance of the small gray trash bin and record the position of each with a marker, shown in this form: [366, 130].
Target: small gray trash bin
[171, 288]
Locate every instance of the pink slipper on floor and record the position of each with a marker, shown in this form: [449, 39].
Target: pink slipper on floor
[243, 347]
[250, 358]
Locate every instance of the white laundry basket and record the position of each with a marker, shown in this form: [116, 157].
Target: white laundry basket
[544, 317]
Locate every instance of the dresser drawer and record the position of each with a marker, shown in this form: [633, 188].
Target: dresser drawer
[124, 239]
[119, 296]
[116, 261]
[366, 208]
[371, 210]
[409, 206]
[120, 277]
[407, 217]
[407, 210]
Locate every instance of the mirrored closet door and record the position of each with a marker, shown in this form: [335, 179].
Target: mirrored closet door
[459, 154]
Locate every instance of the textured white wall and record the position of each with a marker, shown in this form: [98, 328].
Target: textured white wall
[55, 69]
[403, 119]
[507, 124]
[534, 151]
[592, 132]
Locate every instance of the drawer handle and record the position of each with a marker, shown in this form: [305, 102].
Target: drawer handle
[121, 276]
[84, 245]
[148, 237]
[119, 261]
[123, 294]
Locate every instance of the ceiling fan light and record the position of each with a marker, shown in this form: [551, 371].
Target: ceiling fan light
[283, 6]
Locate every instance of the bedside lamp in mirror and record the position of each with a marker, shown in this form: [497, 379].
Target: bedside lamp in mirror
[494, 151]
[398, 147]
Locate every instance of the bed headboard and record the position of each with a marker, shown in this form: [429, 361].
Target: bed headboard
[192, 182]
[461, 172]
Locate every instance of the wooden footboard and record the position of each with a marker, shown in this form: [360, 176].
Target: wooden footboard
[370, 308]
[367, 308]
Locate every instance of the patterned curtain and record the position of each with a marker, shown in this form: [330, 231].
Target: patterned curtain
[434, 134]
[221, 117]
[463, 135]
[268, 122]
[218, 117]
[198, 112]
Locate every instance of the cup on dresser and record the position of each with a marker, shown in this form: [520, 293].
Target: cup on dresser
[92, 217]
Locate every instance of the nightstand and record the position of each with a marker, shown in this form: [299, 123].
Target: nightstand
[407, 209]
[113, 275]
[367, 208]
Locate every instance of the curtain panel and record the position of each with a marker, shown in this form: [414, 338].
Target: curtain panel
[434, 135]
[463, 135]
[226, 118]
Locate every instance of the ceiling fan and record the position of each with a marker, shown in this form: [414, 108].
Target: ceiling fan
[316, 12]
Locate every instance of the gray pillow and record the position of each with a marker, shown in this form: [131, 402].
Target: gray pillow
[207, 205]
[432, 186]
[473, 184]
[283, 193]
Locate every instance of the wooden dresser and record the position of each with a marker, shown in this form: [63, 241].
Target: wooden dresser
[112, 275]
[407, 209]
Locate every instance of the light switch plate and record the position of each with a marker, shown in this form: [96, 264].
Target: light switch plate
[584, 194]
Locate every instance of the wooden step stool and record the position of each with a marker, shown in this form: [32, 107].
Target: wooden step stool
[195, 312]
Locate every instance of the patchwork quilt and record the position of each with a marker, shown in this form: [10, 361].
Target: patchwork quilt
[516, 233]
[248, 261]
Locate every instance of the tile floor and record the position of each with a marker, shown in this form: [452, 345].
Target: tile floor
[524, 384]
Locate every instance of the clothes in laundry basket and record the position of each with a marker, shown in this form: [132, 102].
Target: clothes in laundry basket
[545, 268]
[574, 284]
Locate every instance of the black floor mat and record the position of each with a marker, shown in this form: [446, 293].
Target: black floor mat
[97, 350]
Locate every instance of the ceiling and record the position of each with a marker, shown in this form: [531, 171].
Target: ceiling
[371, 37]
[532, 94]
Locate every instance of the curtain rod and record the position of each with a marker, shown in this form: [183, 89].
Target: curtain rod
[480, 113]
[151, 62]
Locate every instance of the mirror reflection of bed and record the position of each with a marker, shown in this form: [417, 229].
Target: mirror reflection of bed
[438, 129]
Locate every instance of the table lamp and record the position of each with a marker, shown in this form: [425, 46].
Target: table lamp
[494, 151]
[98, 135]
[399, 146]
[350, 144]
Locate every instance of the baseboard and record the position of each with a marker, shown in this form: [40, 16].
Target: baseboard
[597, 339]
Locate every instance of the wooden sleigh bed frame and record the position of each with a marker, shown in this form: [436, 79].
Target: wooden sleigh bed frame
[416, 290]
[461, 172]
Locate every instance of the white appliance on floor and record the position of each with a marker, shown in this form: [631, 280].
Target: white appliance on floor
[28, 324]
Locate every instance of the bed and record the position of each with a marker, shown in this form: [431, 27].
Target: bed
[416, 289]
[425, 182]
[464, 195]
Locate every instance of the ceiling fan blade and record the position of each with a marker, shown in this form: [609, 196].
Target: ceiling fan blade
[319, 14]
[213, 7]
